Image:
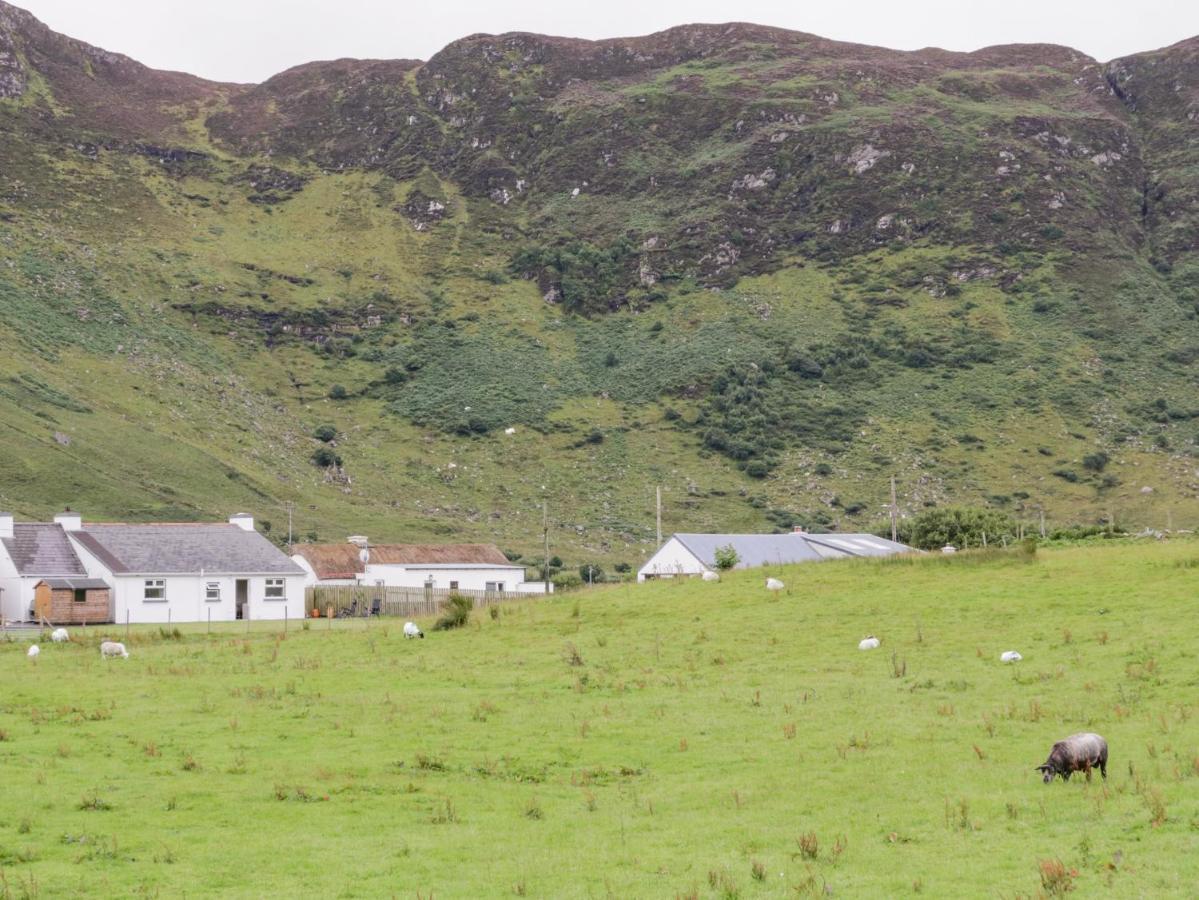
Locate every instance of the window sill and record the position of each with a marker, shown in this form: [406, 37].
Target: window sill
[274, 599]
[154, 600]
[217, 600]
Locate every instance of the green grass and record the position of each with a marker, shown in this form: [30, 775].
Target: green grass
[672, 739]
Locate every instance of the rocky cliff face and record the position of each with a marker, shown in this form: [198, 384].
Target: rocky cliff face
[805, 249]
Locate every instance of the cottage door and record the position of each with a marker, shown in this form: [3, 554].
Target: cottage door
[243, 595]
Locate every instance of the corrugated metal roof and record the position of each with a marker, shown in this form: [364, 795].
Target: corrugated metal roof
[341, 561]
[186, 549]
[42, 549]
[792, 547]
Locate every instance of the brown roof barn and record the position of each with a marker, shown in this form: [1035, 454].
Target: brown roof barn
[343, 561]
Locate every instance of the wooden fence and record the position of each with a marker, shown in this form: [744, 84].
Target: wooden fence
[363, 600]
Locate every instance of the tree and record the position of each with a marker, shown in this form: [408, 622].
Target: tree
[726, 557]
[591, 573]
[956, 525]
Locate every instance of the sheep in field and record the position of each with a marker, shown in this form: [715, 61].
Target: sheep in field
[711, 576]
[1011, 656]
[773, 584]
[34, 650]
[870, 642]
[412, 631]
[113, 648]
[1077, 753]
[59, 635]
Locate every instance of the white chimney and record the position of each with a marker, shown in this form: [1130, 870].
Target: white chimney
[70, 521]
[5, 525]
[244, 521]
[798, 530]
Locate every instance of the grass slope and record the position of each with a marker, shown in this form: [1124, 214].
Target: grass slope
[672, 739]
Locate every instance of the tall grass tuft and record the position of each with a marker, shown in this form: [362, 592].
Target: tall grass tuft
[455, 613]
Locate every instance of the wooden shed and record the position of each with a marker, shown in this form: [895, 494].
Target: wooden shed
[66, 601]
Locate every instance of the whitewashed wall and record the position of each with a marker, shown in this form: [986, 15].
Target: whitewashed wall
[671, 559]
[468, 578]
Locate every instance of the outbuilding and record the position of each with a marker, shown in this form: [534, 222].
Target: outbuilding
[72, 601]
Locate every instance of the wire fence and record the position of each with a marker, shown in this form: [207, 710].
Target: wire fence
[352, 601]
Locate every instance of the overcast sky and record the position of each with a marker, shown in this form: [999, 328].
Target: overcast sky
[249, 40]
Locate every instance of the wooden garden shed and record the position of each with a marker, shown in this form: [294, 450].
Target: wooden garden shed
[67, 601]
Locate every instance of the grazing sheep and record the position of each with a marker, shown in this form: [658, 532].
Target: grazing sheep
[1010, 656]
[711, 576]
[870, 642]
[1077, 753]
[773, 584]
[59, 635]
[34, 650]
[412, 631]
[113, 648]
[509, 431]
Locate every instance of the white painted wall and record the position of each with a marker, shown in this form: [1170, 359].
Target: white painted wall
[671, 560]
[18, 591]
[468, 578]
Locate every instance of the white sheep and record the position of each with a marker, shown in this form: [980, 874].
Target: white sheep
[870, 642]
[113, 648]
[412, 631]
[59, 635]
[34, 650]
[509, 431]
[1010, 656]
[773, 584]
[711, 576]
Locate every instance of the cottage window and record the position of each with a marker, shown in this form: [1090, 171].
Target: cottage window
[274, 589]
[453, 585]
[495, 586]
[156, 589]
[212, 592]
[80, 595]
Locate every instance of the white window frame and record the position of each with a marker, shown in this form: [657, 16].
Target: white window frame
[154, 590]
[212, 592]
[272, 585]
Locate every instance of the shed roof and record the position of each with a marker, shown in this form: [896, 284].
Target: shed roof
[42, 549]
[792, 547]
[339, 561]
[184, 549]
[75, 584]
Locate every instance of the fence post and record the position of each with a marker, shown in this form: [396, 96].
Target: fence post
[285, 620]
[126, 623]
[210, 620]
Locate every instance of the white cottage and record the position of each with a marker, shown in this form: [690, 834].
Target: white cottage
[689, 555]
[33, 552]
[190, 572]
[465, 567]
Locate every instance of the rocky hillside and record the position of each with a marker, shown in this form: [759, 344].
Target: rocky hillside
[760, 268]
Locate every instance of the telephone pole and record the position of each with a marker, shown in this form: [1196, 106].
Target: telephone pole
[894, 513]
[290, 505]
[545, 534]
[658, 491]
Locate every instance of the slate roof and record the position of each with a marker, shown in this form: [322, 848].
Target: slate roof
[185, 549]
[792, 547]
[75, 584]
[341, 561]
[42, 549]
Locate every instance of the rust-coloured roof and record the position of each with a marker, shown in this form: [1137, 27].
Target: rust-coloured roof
[342, 561]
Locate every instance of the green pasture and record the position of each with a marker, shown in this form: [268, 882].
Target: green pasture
[682, 739]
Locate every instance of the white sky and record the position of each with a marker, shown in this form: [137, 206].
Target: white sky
[250, 40]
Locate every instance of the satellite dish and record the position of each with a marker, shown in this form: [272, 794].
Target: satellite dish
[365, 555]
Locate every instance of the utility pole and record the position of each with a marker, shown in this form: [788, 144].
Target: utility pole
[545, 534]
[290, 506]
[658, 491]
[894, 513]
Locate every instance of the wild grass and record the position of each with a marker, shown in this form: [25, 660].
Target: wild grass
[475, 762]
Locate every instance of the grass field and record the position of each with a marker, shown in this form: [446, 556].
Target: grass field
[673, 739]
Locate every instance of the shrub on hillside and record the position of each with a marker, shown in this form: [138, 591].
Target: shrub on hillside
[959, 526]
[338, 392]
[566, 581]
[455, 613]
[590, 573]
[324, 457]
[726, 557]
[325, 433]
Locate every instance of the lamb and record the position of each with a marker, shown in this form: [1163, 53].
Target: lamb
[870, 642]
[34, 650]
[59, 635]
[113, 648]
[711, 576]
[412, 631]
[1010, 656]
[773, 584]
[1077, 753]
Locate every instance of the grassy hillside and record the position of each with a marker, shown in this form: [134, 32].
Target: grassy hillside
[763, 270]
[673, 739]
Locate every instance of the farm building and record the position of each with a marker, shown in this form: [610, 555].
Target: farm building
[72, 601]
[190, 572]
[467, 567]
[37, 553]
[687, 555]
